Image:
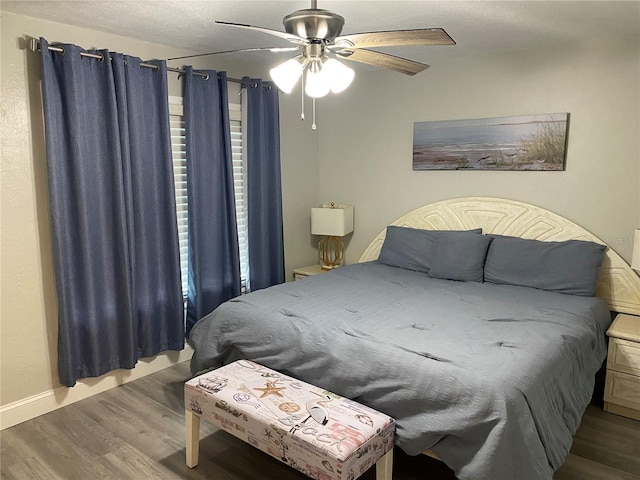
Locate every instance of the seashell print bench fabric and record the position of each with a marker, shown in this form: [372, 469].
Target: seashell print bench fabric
[319, 433]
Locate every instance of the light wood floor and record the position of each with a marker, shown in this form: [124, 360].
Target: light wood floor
[137, 432]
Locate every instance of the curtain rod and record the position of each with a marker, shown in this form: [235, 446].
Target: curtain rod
[35, 47]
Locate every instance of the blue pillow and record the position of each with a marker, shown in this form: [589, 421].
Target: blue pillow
[460, 257]
[412, 248]
[570, 267]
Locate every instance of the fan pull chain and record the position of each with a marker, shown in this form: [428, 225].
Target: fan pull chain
[313, 110]
[302, 90]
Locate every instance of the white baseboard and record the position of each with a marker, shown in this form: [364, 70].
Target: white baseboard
[30, 407]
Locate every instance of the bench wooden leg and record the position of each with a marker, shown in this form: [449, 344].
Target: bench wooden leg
[192, 427]
[384, 466]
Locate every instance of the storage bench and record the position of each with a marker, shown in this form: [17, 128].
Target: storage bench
[319, 433]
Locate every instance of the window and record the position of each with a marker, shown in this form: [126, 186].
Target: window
[176, 117]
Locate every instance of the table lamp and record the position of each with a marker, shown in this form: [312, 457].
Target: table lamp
[333, 221]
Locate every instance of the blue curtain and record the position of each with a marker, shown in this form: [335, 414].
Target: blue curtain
[214, 258]
[111, 195]
[264, 192]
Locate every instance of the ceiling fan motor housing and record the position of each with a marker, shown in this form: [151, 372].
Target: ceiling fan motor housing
[314, 24]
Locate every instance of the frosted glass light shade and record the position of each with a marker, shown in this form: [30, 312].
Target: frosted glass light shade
[335, 222]
[286, 74]
[635, 256]
[317, 85]
[339, 75]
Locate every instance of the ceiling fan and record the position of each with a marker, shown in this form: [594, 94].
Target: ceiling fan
[316, 33]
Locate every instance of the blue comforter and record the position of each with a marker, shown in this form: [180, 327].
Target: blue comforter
[494, 379]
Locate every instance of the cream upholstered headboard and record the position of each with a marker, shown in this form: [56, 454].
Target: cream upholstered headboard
[618, 284]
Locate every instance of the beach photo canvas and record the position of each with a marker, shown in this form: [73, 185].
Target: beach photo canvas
[528, 142]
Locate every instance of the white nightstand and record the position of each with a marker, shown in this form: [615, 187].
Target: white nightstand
[622, 387]
[304, 272]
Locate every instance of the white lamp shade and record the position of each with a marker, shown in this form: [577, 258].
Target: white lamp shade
[336, 222]
[635, 256]
[286, 75]
[338, 75]
[317, 84]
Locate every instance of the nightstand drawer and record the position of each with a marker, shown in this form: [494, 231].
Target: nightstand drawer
[624, 356]
[622, 389]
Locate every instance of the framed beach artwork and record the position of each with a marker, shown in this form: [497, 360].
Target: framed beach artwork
[528, 142]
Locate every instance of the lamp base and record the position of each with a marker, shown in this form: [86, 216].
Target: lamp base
[330, 252]
[328, 267]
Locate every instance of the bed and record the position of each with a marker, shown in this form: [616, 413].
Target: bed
[492, 377]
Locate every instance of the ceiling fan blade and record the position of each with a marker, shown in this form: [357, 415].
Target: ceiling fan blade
[261, 49]
[395, 38]
[378, 59]
[287, 36]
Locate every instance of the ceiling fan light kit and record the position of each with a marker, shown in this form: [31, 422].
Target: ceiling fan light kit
[317, 33]
[323, 74]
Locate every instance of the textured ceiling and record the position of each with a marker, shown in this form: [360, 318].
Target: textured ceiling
[478, 27]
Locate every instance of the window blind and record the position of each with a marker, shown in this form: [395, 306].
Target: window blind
[240, 195]
[178, 151]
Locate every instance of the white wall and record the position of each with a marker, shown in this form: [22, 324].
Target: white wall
[366, 137]
[28, 325]
[299, 157]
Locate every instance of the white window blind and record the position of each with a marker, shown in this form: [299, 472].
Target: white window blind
[180, 178]
[239, 181]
